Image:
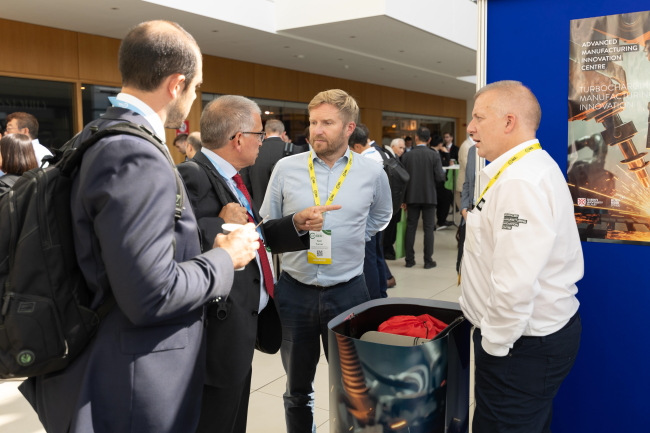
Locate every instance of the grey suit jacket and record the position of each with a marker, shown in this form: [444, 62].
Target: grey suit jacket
[144, 369]
[467, 195]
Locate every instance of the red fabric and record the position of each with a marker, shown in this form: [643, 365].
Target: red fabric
[266, 267]
[423, 326]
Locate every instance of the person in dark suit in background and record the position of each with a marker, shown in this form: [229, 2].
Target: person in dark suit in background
[180, 143]
[302, 143]
[145, 367]
[397, 149]
[274, 148]
[445, 196]
[466, 201]
[231, 131]
[424, 167]
[408, 144]
[193, 144]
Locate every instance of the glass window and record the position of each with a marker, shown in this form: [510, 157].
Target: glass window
[95, 100]
[294, 115]
[400, 125]
[49, 101]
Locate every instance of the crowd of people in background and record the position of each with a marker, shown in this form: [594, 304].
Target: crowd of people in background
[254, 242]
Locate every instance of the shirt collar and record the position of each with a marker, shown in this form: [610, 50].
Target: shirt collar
[423, 144]
[36, 142]
[223, 167]
[492, 169]
[369, 150]
[150, 115]
[346, 155]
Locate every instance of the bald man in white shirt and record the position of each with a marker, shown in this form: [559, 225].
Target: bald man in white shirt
[522, 259]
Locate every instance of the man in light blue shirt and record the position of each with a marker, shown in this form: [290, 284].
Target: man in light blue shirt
[309, 294]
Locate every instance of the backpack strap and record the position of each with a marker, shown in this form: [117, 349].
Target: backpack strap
[73, 160]
[218, 186]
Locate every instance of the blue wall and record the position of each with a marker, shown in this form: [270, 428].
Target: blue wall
[608, 390]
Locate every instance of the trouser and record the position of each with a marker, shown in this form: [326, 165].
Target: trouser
[514, 393]
[390, 234]
[444, 201]
[304, 312]
[224, 410]
[374, 268]
[428, 222]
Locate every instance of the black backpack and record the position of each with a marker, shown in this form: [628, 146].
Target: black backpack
[45, 315]
[7, 182]
[398, 179]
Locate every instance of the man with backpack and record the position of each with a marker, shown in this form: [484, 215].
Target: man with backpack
[137, 246]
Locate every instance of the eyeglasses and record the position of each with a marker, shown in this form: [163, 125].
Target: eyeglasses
[261, 135]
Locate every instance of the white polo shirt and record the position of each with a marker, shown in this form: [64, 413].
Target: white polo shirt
[522, 253]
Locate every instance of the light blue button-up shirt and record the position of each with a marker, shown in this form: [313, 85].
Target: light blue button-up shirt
[366, 209]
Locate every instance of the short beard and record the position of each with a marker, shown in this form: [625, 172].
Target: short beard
[175, 114]
[333, 147]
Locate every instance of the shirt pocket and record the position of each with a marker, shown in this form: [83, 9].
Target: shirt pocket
[473, 233]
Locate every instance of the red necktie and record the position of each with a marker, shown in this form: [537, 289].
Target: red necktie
[264, 261]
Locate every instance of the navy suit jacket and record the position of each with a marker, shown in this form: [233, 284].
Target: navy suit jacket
[144, 369]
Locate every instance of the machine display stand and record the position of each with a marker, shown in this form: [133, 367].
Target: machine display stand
[379, 388]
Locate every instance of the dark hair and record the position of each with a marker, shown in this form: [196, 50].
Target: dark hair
[423, 134]
[25, 120]
[408, 138]
[195, 142]
[17, 153]
[180, 137]
[364, 128]
[154, 50]
[358, 137]
[436, 141]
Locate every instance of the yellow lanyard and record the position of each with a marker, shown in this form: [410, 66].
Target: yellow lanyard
[508, 163]
[337, 187]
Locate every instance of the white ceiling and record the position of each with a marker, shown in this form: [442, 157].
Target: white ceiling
[383, 51]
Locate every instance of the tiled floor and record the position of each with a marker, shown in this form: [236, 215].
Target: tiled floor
[266, 410]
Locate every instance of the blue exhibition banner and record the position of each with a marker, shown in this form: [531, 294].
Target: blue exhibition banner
[530, 41]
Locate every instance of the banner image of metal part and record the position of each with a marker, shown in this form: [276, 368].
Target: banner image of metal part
[392, 386]
[609, 115]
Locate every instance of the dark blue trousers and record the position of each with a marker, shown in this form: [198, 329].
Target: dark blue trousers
[304, 313]
[514, 393]
[374, 268]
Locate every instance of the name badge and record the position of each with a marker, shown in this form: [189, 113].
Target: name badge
[320, 248]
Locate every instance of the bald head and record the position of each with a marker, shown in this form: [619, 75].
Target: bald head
[512, 97]
[154, 50]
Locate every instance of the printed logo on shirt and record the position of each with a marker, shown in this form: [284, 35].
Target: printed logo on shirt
[511, 220]
[582, 202]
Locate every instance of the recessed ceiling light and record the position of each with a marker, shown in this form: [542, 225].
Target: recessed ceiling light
[352, 37]
[215, 31]
[381, 69]
[300, 56]
[439, 61]
[114, 9]
[340, 59]
[415, 76]
[347, 67]
[401, 51]
[267, 112]
[287, 46]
